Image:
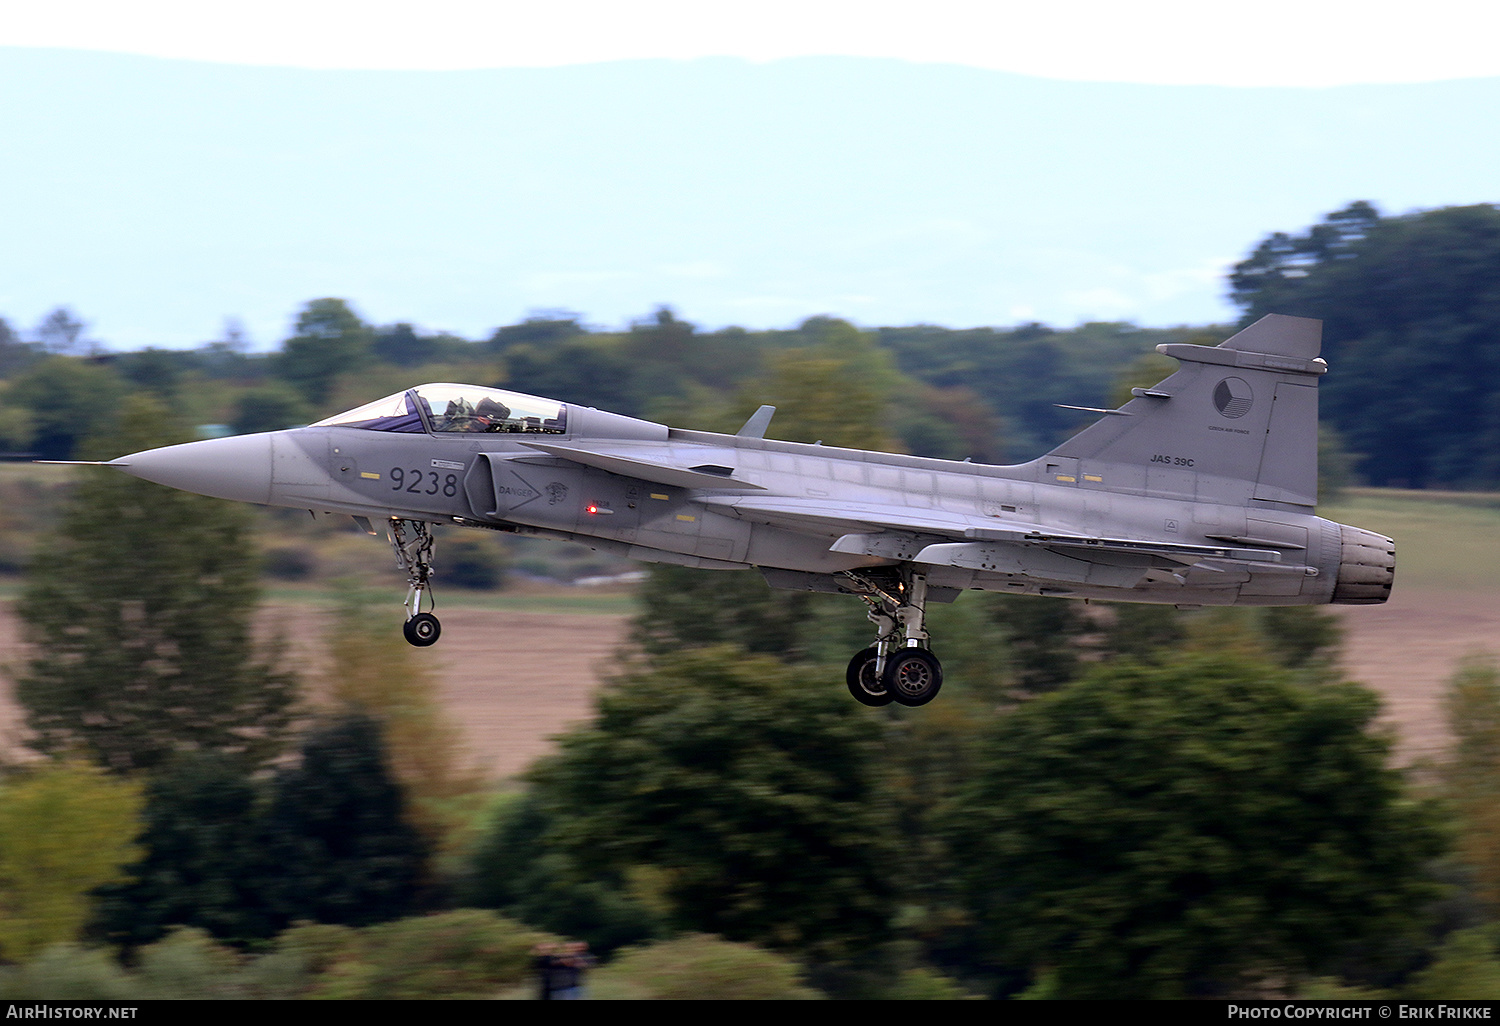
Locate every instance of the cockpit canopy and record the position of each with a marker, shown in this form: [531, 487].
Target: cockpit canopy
[450, 409]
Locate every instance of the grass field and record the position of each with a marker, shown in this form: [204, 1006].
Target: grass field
[1443, 539]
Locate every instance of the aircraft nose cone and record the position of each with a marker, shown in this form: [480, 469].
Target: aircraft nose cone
[238, 467]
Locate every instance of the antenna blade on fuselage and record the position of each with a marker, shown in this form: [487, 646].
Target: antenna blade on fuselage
[756, 426]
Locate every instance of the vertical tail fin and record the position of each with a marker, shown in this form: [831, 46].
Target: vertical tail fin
[1245, 411]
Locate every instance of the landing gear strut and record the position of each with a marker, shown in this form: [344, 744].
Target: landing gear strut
[899, 667]
[412, 540]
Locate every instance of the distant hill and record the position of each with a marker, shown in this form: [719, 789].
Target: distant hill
[157, 197]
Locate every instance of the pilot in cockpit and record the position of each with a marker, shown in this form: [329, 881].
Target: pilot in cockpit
[491, 415]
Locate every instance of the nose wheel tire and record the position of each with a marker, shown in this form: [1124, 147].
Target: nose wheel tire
[864, 685]
[912, 676]
[422, 630]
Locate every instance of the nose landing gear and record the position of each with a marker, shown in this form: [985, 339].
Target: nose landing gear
[899, 667]
[412, 540]
[422, 630]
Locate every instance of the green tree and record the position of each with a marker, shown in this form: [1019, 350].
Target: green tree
[65, 829]
[1044, 637]
[270, 407]
[700, 968]
[464, 954]
[68, 972]
[337, 844]
[545, 328]
[371, 670]
[139, 615]
[1411, 310]
[404, 346]
[680, 606]
[1299, 637]
[472, 559]
[756, 802]
[1466, 968]
[330, 340]
[1472, 773]
[14, 353]
[1335, 464]
[834, 390]
[65, 401]
[202, 856]
[513, 870]
[1153, 831]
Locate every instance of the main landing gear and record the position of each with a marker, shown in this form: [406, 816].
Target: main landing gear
[899, 667]
[412, 540]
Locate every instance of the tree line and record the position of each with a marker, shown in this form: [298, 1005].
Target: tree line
[1408, 303]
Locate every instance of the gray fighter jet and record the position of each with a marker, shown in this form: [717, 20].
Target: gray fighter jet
[1198, 491]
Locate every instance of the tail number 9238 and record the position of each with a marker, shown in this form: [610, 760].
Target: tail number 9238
[423, 482]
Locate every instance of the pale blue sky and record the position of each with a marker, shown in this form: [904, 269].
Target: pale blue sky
[159, 196]
[1270, 42]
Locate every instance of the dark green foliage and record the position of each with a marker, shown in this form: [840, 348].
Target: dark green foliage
[1273, 276]
[945, 423]
[159, 371]
[330, 340]
[139, 612]
[471, 561]
[404, 346]
[1471, 774]
[699, 968]
[15, 354]
[542, 329]
[463, 954]
[747, 799]
[1411, 318]
[1020, 373]
[203, 864]
[288, 563]
[1466, 968]
[588, 370]
[1335, 465]
[1140, 631]
[1299, 635]
[65, 401]
[683, 607]
[514, 870]
[337, 834]
[1044, 637]
[65, 972]
[1189, 828]
[326, 840]
[228, 357]
[270, 407]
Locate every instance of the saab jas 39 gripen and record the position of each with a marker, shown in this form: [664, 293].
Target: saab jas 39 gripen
[1198, 491]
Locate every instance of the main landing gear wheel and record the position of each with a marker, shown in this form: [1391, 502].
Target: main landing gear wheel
[912, 676]
[909, 673]
[422, 630]
[864, 683]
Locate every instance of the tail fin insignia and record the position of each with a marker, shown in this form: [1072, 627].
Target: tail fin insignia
[1236, 421]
